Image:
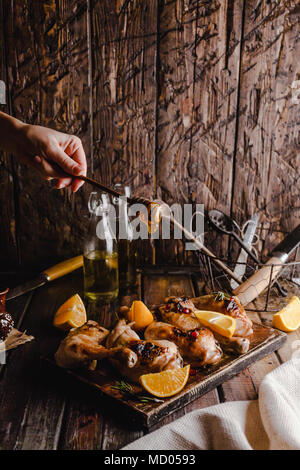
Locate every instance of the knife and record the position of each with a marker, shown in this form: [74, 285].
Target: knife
[240, 267]
[255, 285]
[48, 275]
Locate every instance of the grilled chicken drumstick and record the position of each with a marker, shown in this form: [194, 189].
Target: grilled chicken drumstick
[228, 306]
[198, 347]
[151, 356]
[130, 355]
[83, 347]
[179, 312]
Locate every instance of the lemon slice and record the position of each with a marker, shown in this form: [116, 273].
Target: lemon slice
[167, 383]
[222, 324]
[288, 319]
[71, 314]
[140, 314]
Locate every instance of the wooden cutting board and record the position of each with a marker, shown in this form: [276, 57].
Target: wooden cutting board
[263, 341]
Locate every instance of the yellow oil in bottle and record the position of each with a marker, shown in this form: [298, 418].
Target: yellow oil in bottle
[101, 279]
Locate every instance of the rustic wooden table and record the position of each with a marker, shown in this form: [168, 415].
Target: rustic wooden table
[41, 411]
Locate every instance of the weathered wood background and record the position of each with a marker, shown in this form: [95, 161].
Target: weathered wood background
[187, 100]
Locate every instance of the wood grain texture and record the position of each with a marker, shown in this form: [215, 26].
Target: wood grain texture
[159, 286]
[245, 385]
[276, 303]
[162, 101]
[263, 341]
[194, 101]
[47, 65]
[8, 229]
[156, 288]
[123, 53]
[199, 53]
[123, 44]
[267, 158]
[94, 426]
[22, 388]
[41, 411]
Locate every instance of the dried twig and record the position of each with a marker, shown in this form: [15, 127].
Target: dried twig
[126, 389]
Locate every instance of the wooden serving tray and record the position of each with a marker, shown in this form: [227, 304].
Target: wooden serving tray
[263, 341]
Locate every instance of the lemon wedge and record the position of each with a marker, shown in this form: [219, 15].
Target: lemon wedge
[222, 324]
[167, 383]
[288, 319]
[71, 314]
[140, 314]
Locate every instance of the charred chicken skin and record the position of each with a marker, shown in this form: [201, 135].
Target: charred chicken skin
[228, 306]
[198, 347]
[149, 356]
[83, 347]
[130, 355]
[179, 312]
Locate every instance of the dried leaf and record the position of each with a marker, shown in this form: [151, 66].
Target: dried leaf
[15, 339]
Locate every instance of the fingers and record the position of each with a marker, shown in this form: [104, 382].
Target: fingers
[76, 151]
[63, 183]
[61, 157]
[72, 160]
[46, 168]
[42, 166]
[76, 184]
[48, 171]
[56, 154]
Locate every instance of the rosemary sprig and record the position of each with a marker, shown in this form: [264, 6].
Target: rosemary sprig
[219, 296]
[123, 387]
[126, 389]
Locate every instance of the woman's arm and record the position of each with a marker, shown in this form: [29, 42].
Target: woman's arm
[51, 153]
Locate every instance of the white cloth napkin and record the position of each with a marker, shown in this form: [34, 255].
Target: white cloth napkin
[271, 422]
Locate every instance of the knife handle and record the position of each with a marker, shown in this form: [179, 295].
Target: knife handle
[257, 283]
[63, 268]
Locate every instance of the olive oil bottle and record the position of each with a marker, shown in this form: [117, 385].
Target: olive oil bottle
[101, 270]
[101, 275]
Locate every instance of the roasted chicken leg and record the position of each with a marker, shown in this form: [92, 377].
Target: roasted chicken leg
[198, 347]
[179, 312]
[228, 306]
[83, 347]
[150, 356]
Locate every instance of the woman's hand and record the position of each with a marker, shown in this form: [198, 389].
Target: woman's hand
[51, 153]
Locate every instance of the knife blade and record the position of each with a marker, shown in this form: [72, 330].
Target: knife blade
[240, 267]
[255, 285]
[288, 245]
[50, 274]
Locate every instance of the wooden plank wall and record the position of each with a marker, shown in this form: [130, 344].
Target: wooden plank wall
[187, 100]
[8, 239]
[47, 64]
[267, 155]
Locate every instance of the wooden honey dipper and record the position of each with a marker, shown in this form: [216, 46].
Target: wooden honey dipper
[113, 192]
[147, 202]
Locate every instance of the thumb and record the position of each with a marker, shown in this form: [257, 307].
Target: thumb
[66, 163]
